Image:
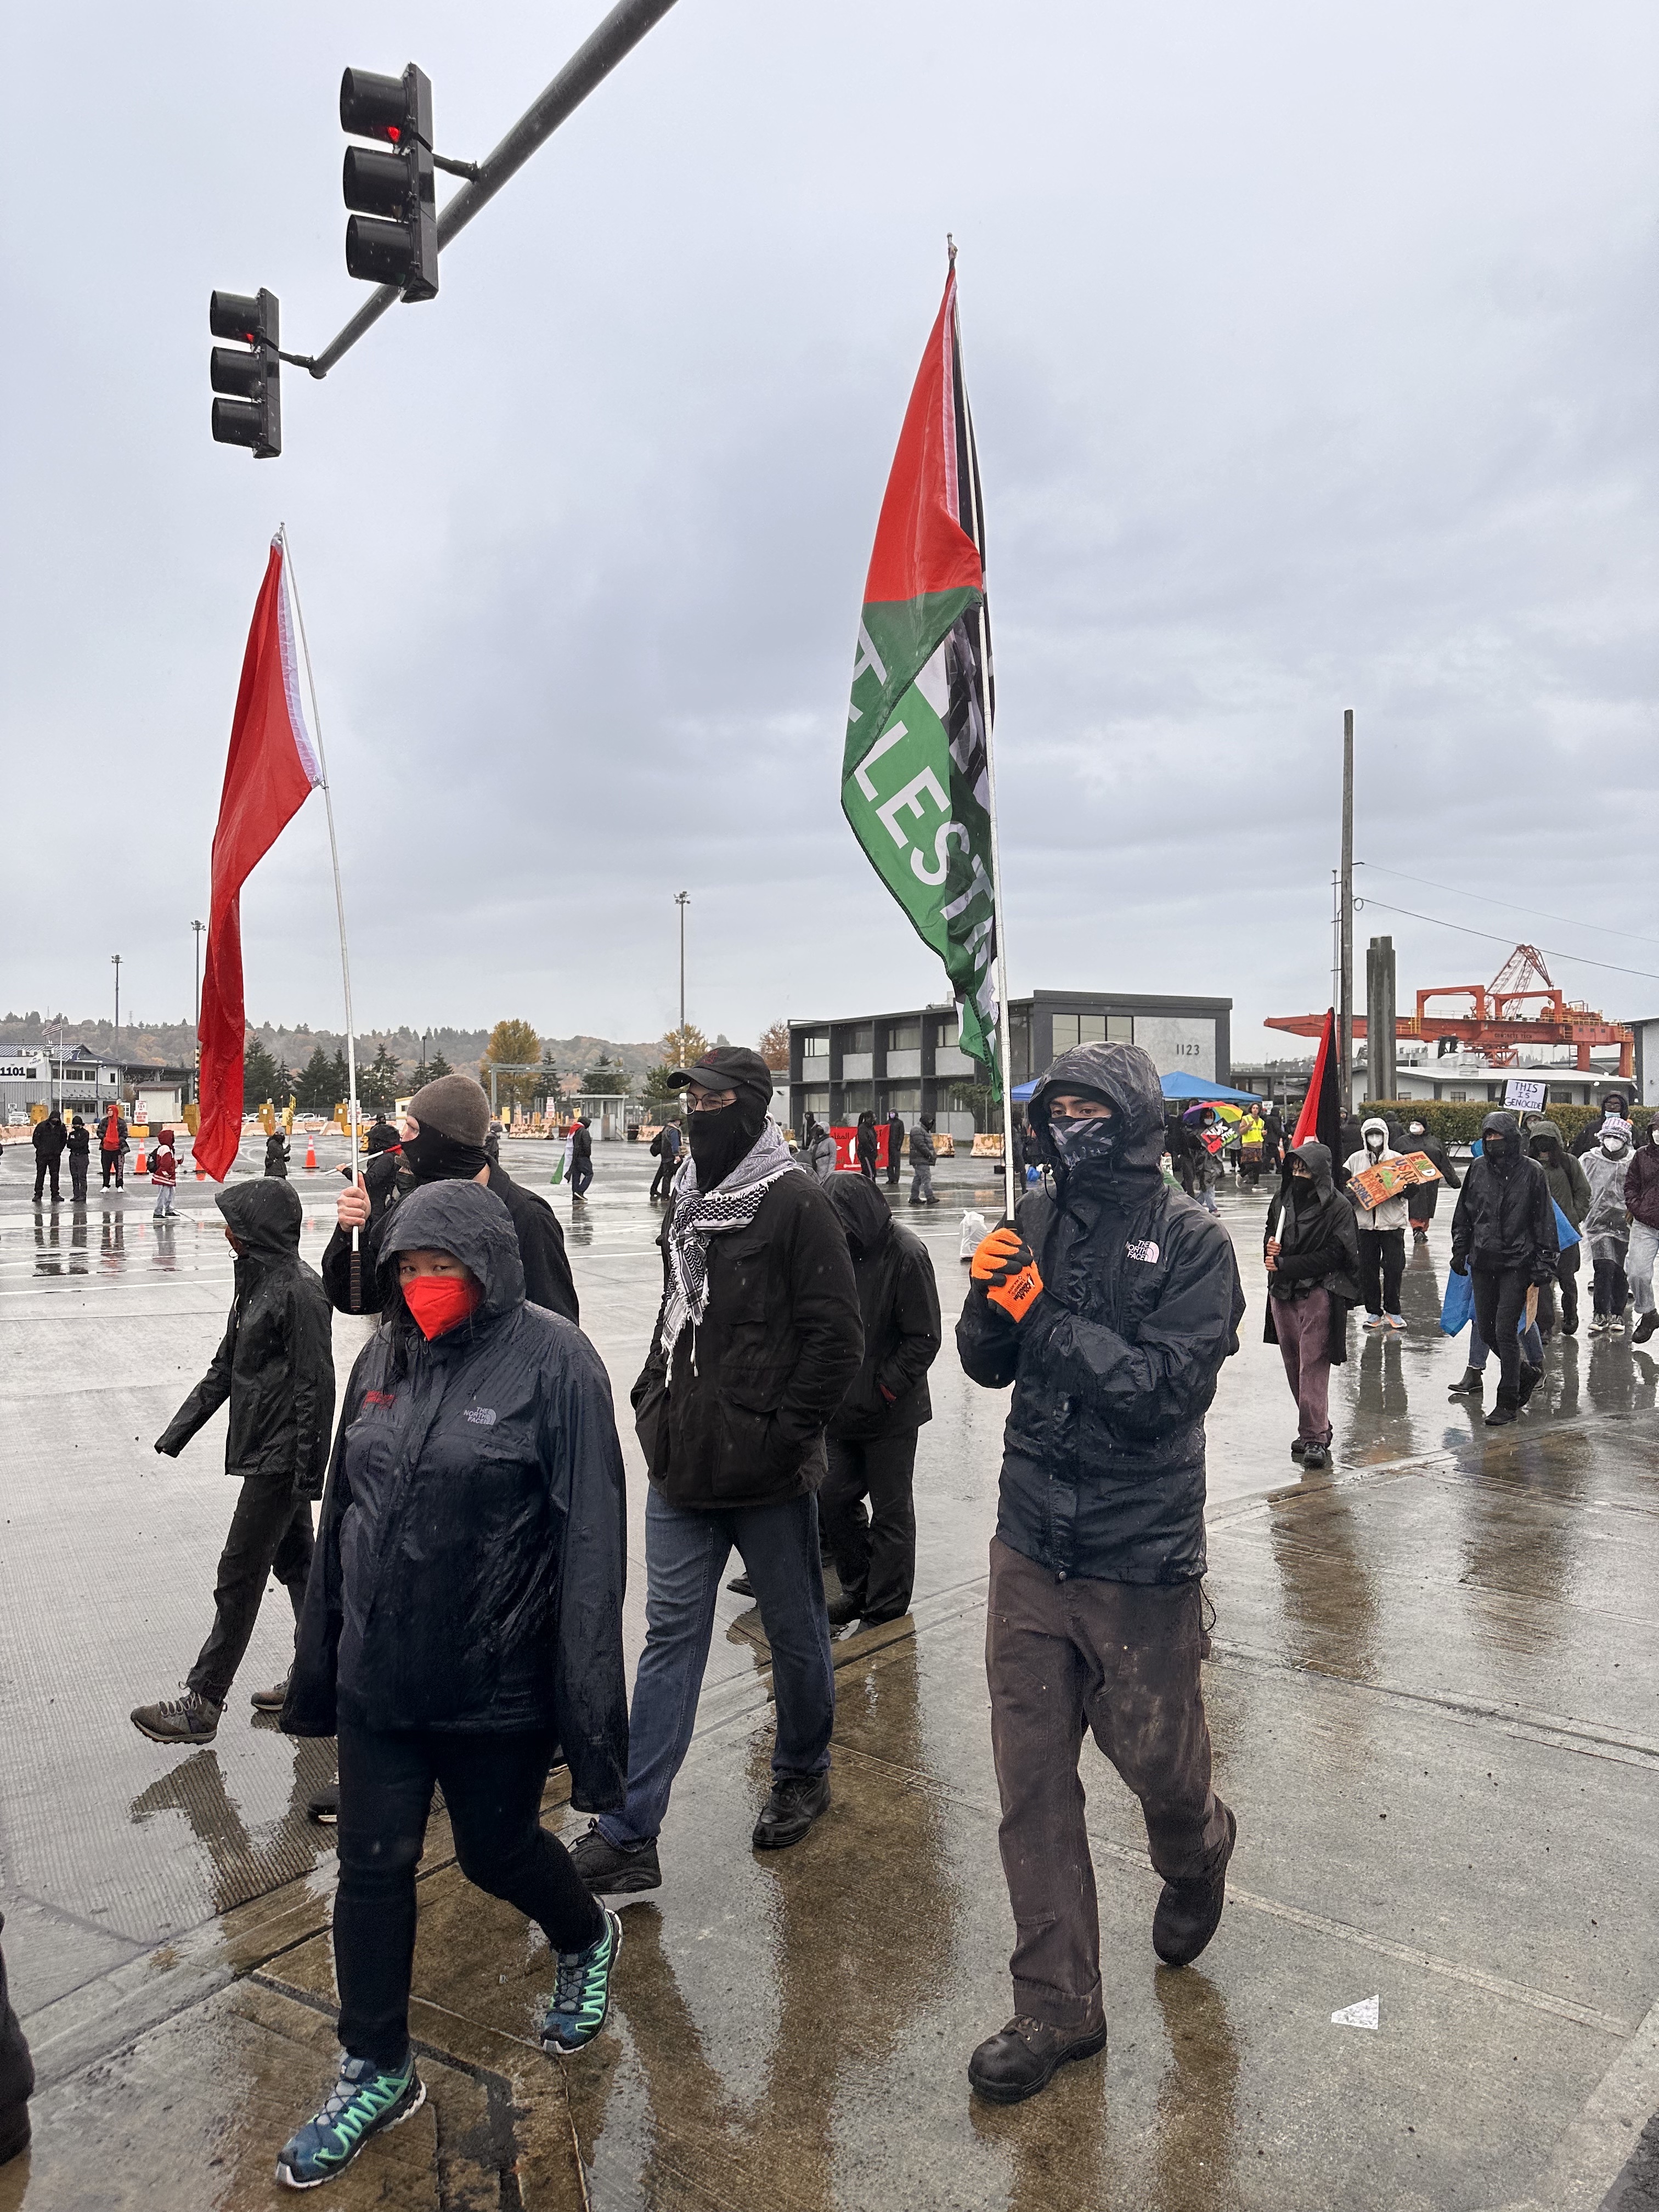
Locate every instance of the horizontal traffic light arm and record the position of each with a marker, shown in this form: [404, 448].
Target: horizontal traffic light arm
[592, 62]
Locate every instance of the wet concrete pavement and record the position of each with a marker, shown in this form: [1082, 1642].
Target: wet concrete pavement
[1431, 1697]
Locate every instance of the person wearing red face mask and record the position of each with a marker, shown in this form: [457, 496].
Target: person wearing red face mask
[464, 1616]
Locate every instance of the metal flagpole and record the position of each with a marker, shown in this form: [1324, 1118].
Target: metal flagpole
[1003, 1050]
[339, 909]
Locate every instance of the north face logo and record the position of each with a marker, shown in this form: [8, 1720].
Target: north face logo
[1143, 1250]
[482, 1417]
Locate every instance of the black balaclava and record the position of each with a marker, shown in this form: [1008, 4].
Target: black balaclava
[434, 1157]
[720, 1140]
[1503, 1148]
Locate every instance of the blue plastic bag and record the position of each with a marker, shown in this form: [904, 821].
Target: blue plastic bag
[1457, 1307]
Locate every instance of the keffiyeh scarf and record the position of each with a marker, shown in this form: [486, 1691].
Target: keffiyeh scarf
[699, 1215]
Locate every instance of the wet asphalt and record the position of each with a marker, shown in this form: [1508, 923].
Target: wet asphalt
[1431, 1695]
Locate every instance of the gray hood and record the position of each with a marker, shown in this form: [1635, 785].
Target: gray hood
[466, 1220]
[1125, 1077]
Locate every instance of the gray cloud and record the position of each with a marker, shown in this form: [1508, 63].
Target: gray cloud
[1313, 362]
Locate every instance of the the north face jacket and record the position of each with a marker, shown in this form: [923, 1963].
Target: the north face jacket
[470, 1560]
[1113, 1369]
[275, 1364]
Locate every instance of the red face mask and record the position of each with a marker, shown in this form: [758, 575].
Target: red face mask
[440, 1302]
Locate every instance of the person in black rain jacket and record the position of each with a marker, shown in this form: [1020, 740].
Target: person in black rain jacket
[1504, 1238]
[50, 1137]
[873, 1436]
[465, 1615]
[275, 1365]
[443, 1141]
[1110, 1305]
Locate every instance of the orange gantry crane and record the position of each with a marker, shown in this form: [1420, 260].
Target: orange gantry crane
[1500, 1019]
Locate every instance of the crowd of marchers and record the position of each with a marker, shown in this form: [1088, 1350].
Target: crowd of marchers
[458, 1603]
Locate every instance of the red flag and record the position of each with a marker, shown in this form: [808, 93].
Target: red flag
[1320, 1118]
[272, 770]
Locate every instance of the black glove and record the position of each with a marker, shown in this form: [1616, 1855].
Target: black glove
[1460, 1266]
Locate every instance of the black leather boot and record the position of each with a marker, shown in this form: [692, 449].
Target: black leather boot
[1026, 2057]
[1505, 1411]
[1471, 1383]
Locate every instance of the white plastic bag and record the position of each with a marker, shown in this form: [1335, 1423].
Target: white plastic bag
[974, 1234]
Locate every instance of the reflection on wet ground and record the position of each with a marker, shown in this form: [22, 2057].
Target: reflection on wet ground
[1430, 1697]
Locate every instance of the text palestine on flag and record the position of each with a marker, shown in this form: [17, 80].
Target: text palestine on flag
[914, 774]
[272, 770]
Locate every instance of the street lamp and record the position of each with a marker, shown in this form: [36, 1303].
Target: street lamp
[681, 899]
[115, 959]
[198, 927]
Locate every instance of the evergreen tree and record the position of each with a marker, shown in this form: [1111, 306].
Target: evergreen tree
[313, 1089]
[436, 1066]
[339, 1082]
[262, 1078]
[607, 1078]
[377, 1083]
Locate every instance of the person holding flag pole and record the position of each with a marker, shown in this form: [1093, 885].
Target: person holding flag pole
[1110, 1305]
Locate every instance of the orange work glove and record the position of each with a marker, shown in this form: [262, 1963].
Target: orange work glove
[1008, 1266]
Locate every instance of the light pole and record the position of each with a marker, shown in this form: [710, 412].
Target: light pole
[115, 959]
[198, 927]
[681, 899]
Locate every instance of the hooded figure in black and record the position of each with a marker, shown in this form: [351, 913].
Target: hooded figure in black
[1110, 1304]
[1423, 1197]
[1504, 1238]
[450, 1117]
[872, 1437]
[80, 1157]
[276, 1367]
[1311, 1247]
[277, 1155]
[464, 1613]
[50, 1139]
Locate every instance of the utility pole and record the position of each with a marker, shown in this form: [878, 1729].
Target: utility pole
[116, 959]
[198, 927]
[1381, 1072]
[1345, 973]
[681, 899]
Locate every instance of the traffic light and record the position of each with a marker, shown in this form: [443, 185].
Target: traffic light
[393, 239]
[253, 415]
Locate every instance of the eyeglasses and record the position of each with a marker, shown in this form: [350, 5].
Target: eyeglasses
[711, 1102]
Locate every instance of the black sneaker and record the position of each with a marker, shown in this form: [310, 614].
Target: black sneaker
[1644, 1328]
[1530, 1379]
[1189, 1912]
[740, 1586]
[1299, 1448]
[325, 1806]
[1471, 1383]
[1026, 2057]
[615, 1869]
[1316, 1457]
[1503, 1412]
[190, 1719]
[795, 1802]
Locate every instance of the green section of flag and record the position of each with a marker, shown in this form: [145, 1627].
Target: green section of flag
[923, 824]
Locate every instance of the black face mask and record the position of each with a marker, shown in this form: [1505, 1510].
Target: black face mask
[434, 1157]
[720, 1140]
[1501, 1152]
[1092, 1143]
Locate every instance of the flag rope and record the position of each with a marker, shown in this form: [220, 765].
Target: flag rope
[339, 909]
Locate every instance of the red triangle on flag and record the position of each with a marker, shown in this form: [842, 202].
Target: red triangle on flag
[921, 545]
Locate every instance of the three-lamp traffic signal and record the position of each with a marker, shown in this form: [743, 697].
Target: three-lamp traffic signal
[393, 237]
[249, 372]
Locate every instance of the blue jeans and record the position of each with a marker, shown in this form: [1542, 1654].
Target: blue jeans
[685, 1555]
[1532, 1348]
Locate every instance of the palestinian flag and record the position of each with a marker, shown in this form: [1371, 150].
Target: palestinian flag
[915, 775]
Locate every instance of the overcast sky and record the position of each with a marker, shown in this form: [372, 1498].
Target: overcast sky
[1313, 356]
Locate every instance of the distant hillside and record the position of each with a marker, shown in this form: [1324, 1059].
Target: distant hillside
[174, 1043]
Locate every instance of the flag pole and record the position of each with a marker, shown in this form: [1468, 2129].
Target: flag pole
[339, 909]
[1003, 1051]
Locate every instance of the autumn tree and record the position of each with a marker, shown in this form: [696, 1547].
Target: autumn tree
[514, 1046]
[774, 1046]
[683, 1048]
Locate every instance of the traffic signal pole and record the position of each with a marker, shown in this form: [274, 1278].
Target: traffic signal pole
[592, 62]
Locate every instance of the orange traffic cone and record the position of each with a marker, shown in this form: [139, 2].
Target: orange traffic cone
[139, 1166]
[311, 1154]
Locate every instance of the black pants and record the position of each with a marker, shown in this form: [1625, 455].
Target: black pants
[269, 1534]
[581, 1174]
[663, 1177]
[1611, 1291]
[877, 1563]
[78, 1176]
[111, 1167]
[894, 1163]
[45, 1165]
[1382, 1265]
[1500, 1299]
[1566, 1274]
[16, 2076]
[492, 1787]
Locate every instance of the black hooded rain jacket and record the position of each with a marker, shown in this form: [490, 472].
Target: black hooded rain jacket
[1505, 1219]
[276, 1363]
[1318, 1249]
[1113, 1369]
[470, 1560]
[898, 1299]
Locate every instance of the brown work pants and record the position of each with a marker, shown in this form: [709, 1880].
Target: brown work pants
[1122, 1660]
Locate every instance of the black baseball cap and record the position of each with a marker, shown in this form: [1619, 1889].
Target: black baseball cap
[727, 1067]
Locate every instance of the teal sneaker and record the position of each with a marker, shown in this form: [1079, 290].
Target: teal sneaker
[365, 2100]
[581, 1994]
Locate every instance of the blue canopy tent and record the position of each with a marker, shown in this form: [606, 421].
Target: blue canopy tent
[1174, 1086]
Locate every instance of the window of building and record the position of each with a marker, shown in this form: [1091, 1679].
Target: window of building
[945, 1028]
[904, 1098]
[1092, 1029]
[1019, 1041]
[856, 1098]
[903, 1037]
[814, 1102]
[977, 1099]
[1560, 1094]
[815, 1045]
[1456, 1093]
[859, 1037]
